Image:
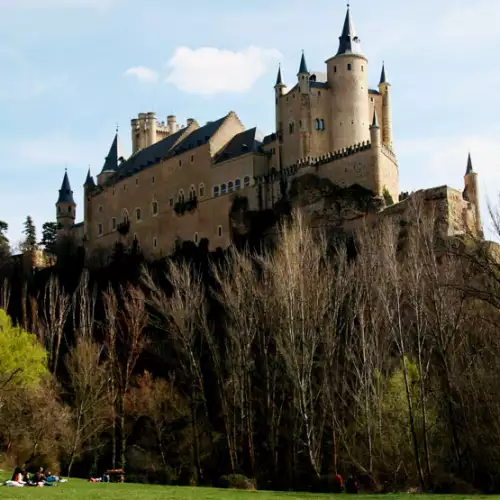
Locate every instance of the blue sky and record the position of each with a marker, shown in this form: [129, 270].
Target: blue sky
[70, 70]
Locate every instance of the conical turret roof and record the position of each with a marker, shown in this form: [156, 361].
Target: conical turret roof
[90, 180]
[375, 119]
[303, 64]
[469, 169]
[111, 161]
[383, 78]
[349, 42]
[279, 78]
[65, 193]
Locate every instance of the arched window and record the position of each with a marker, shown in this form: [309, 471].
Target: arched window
[180, 198]
[100, 209]
[223, 188]
[155, 243]
[137, 182]
[113, 224]
[137, 214]
[99, 229]
[154, 208]
[125, 215]
[237, 184]
[201, 190]
[349, 67]
[335, 69]
[171, 201]
[153, 179]
[291, 127]
[230, 186]
[192, 193]
[216, 191]
[196, 237]
[322, 124]
[246, 181]
[317, 124]
[219, 231]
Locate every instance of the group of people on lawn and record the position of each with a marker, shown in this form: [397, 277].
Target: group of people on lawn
[22, 477]
[351, 485]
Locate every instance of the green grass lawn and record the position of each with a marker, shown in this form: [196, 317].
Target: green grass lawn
[79, 489]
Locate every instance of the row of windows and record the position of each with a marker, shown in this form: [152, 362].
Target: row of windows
[59, 209]
[349, 68]
[320, 125]
[230, 186]
[155, 241]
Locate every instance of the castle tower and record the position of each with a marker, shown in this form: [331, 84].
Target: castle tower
[111, 162]
[65, 206]
[305, 108]
[471, 194]
[87, 205]
[384, 87]
[279, 90]
[134, 126]
[303, 75]
[347, 74]
[151, 129]
[376, 143]
[141, 129]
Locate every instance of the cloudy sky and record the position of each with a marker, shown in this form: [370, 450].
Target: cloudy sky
[71, 70]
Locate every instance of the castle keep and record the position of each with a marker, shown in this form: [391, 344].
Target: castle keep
[181, 180]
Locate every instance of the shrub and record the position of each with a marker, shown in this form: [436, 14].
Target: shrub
[237, 482]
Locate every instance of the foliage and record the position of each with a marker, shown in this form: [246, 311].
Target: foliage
[4, 242]
[23, 362]
[237, 482]
[29, 232]
[387, 197]
[49, 236]
[181, 207]
[123, 228]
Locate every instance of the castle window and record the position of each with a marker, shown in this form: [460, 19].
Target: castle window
[201, 190]
[69, 209]
[192, 158]
[192, 193]
[99, 229]
[125, 216]
[216, 191]
[137, 182]
[223, 189]
[154, 207]
[153, 179]
[371, 99]
[100, 209]
[219, 231]
[171, 201]
[196, 237]
[237, 184]
[230, 186]
[138, 214]
[180, 163]
[155, 242]
[317, 124]
[124, 187]
[362, 68]
[113, 224]
[58, 210]
[291, 127]
[349, 67]
[114, 191]
[300, 123]
[180, 198]
[335, 69]
[319, 93]
[246, 181]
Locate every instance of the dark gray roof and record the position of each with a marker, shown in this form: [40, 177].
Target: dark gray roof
[375, 119]
[318, 85]
[167, 148]
[269, 138]
[65, 193]
[303, 64]
[111, 161]
[383, 78]
[242, 143]
[349, 42]
[90, 180]
[79, 224]
[279, 78]
[373, 91]
[469, 169]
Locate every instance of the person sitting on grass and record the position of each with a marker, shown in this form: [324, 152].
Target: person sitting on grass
[17, 479]
[351, 485]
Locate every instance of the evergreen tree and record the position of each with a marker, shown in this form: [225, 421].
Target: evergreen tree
[49, 236]
[29, 242]
[4, 241]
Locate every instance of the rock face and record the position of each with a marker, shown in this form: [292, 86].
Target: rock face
[327, 204]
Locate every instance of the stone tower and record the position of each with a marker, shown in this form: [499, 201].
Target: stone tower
[471, 194]
[384, 89]
[87, 205]
[347, 74]
[305, 108]
[375, 138]
[279, 90]
[66, 206]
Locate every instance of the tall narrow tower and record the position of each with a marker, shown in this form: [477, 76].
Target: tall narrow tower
[66, 206]
[87, 205]
[471, 194]
[347, 74]
[384, 89]
[111, 162]
[305, 108]
[279, 90]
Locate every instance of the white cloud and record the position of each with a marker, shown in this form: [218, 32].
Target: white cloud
[209, 70]
[143, 74]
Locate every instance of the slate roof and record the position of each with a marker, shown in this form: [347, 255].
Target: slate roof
[469, 169]
[383, 78]
[90, 180]
[373, 91]
[279, 78]
[65, 193]
[269, 138]
[114, 154]
[349, 42]
[375, 119]
[303, 64]
[242, 143]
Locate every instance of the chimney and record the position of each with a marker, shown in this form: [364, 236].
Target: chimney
[171, 122]
[151, 132]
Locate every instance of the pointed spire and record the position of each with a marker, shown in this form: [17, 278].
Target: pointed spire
[90, 180]
[349, 42]
[469, 170]
[375, 119]
[383, 78]
[303, 64]
[279, 78]
[111, 162]
[65, 193]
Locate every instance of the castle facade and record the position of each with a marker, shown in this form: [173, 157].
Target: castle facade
[181, 180]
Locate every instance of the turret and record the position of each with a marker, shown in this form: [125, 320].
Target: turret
[471, 194]
[172, 124]
[376, 145]
[65, 205]
[384, 88]
[141, 136]
[279, 90]
[151, 129]
[303, 75]
[348, 79]
[111, 162]
[87, 205]
[134, 125]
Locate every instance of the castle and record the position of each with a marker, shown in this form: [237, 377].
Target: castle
[181, 181]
